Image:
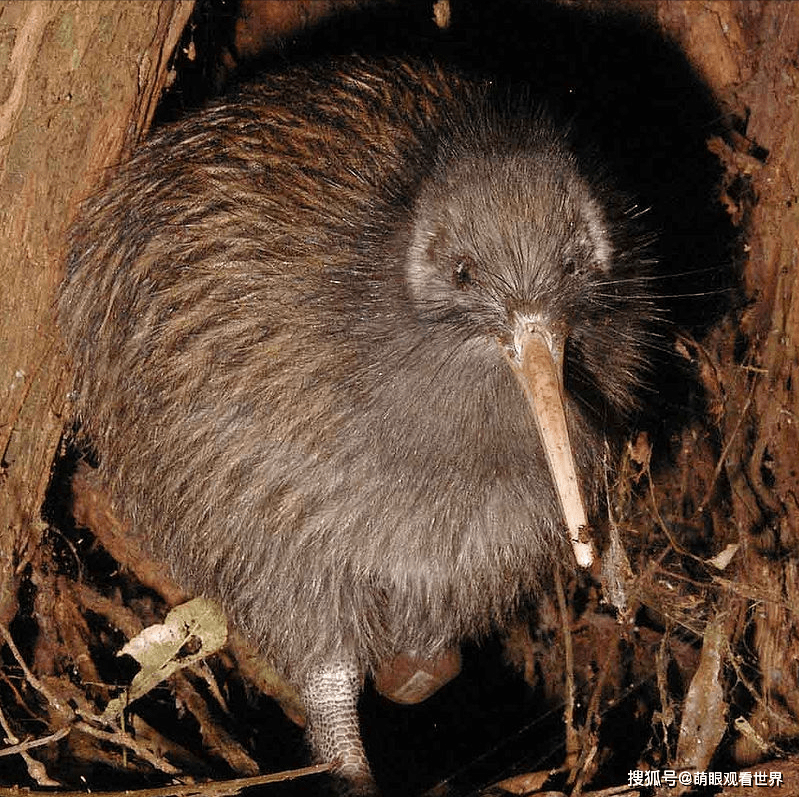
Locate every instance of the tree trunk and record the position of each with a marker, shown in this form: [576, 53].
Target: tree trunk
[747, 53]
[80, 82]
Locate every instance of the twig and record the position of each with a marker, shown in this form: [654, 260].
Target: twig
[614, 791]
[31, 743]
[661, 672]
[592, 722]
[222, 788]
[29, 676]
[572, 738]
[125, 741]
[664, 528]
[35, 768]
[726, 450]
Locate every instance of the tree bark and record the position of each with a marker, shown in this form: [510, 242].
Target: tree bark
[79, 82]
[747, 53]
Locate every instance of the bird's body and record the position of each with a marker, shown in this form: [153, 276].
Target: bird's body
[292, 317]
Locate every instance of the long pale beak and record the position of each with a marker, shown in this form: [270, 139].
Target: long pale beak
[541, 379]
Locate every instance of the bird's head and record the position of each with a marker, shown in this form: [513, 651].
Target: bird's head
[512, 244]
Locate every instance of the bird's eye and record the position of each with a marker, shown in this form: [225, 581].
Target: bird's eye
[570, 265]
[463, 273]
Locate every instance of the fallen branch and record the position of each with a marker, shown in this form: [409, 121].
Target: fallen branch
[221, 788]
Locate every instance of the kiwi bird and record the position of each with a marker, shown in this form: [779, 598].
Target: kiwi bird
[346, 344]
